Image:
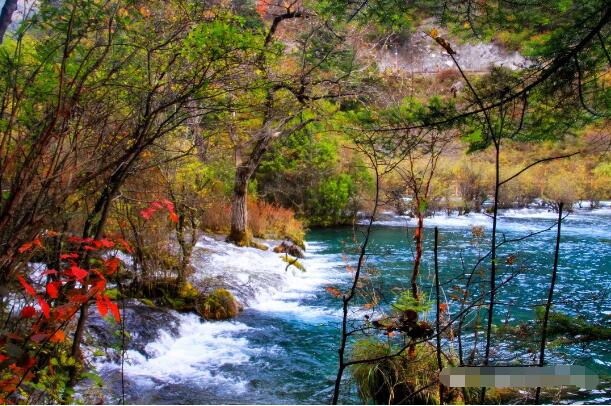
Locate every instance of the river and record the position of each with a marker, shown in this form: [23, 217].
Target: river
[283, 347]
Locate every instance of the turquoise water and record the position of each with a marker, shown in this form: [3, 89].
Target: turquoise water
[284, 350]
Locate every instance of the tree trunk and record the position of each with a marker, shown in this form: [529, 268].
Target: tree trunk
[418, 258]
[6, 16]
[239, 213]
[186, 247]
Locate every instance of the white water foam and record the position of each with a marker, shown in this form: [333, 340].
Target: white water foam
[180, 358]
[201, 348]
[511, 220]
[271, 287]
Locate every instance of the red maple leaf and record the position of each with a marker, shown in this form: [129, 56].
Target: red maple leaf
[27, 312]
[53, 289]
[44, 306]
[28, 288]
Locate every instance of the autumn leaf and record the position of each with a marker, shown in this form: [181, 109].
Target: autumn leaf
[100, 285]
[262, 7]
[144, 11]
[147, 213]
[28, 288]
[112, 265]
[173, 217]
[71, 255]
[434, 33]
[28, 363]
[38, 243]
[334, 291]
[78, 273]
[125, 245]
[58, 337]
[53, 289]
[102, 308]
[44, 307]
[113, 308]
[106, 243]
[27, 312]
[25, 247]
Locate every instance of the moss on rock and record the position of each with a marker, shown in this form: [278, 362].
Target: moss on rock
[219, 305]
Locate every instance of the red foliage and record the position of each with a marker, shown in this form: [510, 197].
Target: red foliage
[125, 245]
[60, 304]
[147, 213]
[25, 247]
[262, 7]
[44, 307]
[28, 312]
[53, 289]
[102, 307]
[112, 265]
[77, 272]
[28, 288]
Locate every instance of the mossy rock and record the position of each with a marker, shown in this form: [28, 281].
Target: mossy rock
[219, 305]
[241, 239]
[147, 302]
[289, 248]
[187, 291]
[259, 246]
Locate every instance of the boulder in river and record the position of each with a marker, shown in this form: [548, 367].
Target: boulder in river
[289, 248]
[219, 305]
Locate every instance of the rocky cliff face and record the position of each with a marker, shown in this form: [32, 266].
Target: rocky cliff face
[420, 54]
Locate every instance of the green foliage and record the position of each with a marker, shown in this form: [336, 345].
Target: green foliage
[405, 301]
[52, 382]
[391, 380]
[563, 324]
[213, 39]
[308, 173]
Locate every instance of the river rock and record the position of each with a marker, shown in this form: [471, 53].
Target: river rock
[141, 321]
[287, 247]
[219, 305]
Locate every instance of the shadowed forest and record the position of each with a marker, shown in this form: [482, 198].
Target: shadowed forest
[307, 202]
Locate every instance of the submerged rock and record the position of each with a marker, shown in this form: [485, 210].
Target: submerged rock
[142, 322]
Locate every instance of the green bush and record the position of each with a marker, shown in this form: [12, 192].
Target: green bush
[396, 380]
